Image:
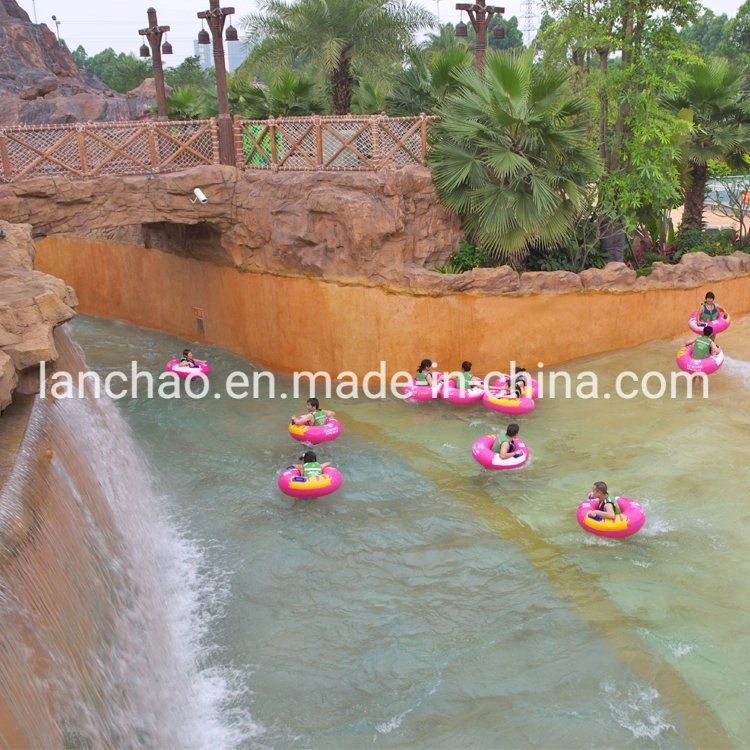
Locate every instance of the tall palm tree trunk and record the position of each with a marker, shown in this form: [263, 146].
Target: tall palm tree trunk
[341, 83]
[693, 215]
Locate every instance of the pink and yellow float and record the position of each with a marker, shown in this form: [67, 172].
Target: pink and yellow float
[508, 404]
[317, 433]
[628, 522]
[292, 483]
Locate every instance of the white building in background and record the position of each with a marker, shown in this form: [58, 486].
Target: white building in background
[235, 53]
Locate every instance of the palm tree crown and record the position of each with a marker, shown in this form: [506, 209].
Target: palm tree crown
[336, 36]
[511, 155]
[715, 102]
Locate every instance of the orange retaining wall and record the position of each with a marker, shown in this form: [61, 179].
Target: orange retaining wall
[292, 324]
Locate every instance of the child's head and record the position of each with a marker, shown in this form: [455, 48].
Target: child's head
[425, 364]
[466, 366]
[512, 430]
[313, 404]
[600, 489]
[710, 296]
[707, 330]
[187, 353]
[309, 457]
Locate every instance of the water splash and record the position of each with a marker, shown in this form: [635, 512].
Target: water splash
[107, 606]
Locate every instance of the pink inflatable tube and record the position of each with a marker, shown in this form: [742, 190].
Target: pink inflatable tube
[316, 434]
[503, 383]
[720, 324]
[462, 395]
[414, 392]
[628, 522]
[708, 365]
[293, 484]
[508, 405]
[483, 454]
[174, 366]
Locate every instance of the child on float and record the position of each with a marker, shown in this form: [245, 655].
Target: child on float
[315, 416]
[187, 359]
[464, 379]
[310, 467]
[709, 311]
[519, 387]
[505, 444]
[608, 506]
[704, 345]
[425, 376]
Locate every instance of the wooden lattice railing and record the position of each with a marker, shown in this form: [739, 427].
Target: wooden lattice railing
[85, 150]
[106, 148]
[331, 143]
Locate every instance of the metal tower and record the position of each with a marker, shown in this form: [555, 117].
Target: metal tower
[529, 21]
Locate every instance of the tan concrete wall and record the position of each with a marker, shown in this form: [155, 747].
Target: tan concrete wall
[295, 323]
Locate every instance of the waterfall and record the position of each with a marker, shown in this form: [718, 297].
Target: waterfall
[104, 604]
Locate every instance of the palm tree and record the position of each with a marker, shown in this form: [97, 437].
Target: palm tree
[714, 101]
[445, 40]
[287, 93]
[339, 36]
[184, 104]
[426, 81]
[511, 156]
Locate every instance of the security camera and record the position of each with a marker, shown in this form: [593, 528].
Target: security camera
[199, 196]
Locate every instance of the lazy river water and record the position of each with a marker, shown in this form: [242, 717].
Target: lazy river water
[433, 603]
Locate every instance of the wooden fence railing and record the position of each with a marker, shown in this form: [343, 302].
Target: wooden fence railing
[316, 143]
[319, 143]
[90, 149]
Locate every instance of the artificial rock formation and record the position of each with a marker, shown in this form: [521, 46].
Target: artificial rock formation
[31, 305]
[40, 83]
[383, 229]
[368, 227]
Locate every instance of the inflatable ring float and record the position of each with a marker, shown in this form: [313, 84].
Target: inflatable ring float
[628, 522]
[708, 365]
[503, 383]
[508, 404]
[292, 483]
[317, 433]
[457, 395]
[720, 324]
[415, 392]
[182, 371]
[482, 453]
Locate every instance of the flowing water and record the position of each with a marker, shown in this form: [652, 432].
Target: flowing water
[429, 603]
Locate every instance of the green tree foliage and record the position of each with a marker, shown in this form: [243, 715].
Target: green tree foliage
[638, 138]
[709, 33]
[444, 41]
[738, 33]
[184, 104]
[120, 72]
[80, 58]
[424, 83]
[340, 37]
[510, 156]
[188, 74]
[715, 102]
[286, 93]
[370, 97]
[513, 36]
